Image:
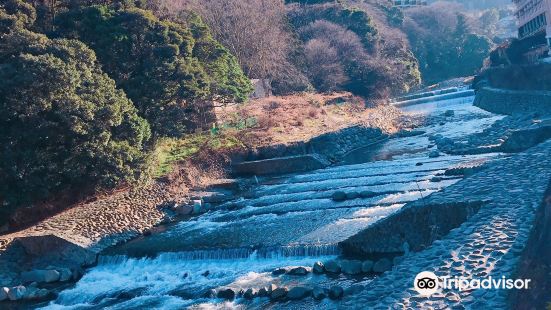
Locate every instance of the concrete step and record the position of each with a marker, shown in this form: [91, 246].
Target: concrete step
[281, 165]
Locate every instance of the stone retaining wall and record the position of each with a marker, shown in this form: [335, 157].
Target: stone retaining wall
[280, 165]
[536, 262]
[413, 228]
[331, 145]
[511, 102]
[317, 153]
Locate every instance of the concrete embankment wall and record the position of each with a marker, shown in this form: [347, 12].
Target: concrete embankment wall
[416, 225]
[433, 98]
[302, 156]
[427, 94]
[511, 102]
[330, 145]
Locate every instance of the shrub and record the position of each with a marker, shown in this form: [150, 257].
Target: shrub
[519, 77]
[64, 123]
[444, 42]
[323, 66]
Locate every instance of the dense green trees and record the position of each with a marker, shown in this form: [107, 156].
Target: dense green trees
[228, 83]
[162, 66]
[63, 122]
[344, 50]
[16, 14]
[72, 122]
[444, 42]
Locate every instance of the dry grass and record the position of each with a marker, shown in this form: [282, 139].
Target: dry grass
[301, 117]
[199, 158]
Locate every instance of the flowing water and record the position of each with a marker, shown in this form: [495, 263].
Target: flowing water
[284, 221]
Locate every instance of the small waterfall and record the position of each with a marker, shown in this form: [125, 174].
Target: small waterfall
[273, 252]
[299, 251]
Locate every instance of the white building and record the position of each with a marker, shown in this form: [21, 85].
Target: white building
[533, 20]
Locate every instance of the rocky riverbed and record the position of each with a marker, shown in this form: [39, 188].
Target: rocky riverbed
[265, 246]
[277, 244]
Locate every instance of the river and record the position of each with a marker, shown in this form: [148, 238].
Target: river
[283, 221]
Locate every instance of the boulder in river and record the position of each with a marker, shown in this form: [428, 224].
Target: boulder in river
[211, 293]
[4, 293]
[382, 265]
[227, 293]
[367, 266]
[318, 267]
[197, 206]
[76, 273]
[65, 274]
[30, 292]
[449, 113]
[298, 271]
[249, 293]
[332, 267]
[184, 209]
[17, 292]
[368, 194]
[298, 292]
[40, 276]
[336, 292]
[262, 292]
[42, 293]
[36, 293]
[319, 293]
[434, 154]
[280, 271]
[351, 267]
[339, 196]
[352, 195]
[279, 293]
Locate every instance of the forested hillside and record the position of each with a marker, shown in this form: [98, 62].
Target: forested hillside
[92, 89]
[368, 47]
[89, 90]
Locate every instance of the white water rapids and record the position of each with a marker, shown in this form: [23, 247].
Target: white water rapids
[289, 221]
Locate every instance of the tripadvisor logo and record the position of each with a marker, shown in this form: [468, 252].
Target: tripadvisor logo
[427, 283]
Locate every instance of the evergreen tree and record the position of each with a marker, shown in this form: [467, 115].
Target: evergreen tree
[160, 65]
[63, 122]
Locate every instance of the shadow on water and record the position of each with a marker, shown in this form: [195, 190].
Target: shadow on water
[376, 152]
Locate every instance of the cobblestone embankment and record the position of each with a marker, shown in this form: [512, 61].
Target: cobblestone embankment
[488, 244]
[99, 224]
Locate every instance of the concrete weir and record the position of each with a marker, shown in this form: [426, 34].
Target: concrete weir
[289, 164]
[435, 97]
[414, 228]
